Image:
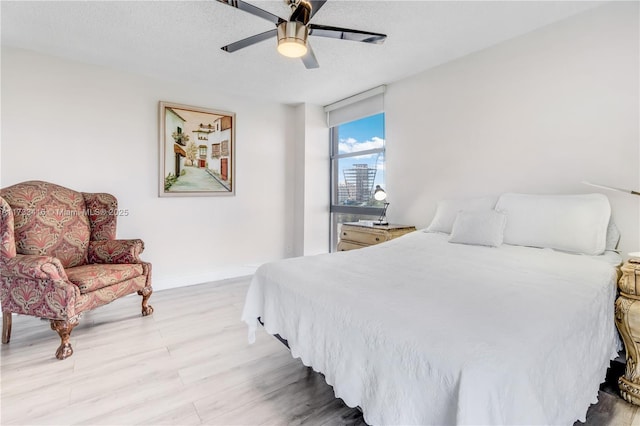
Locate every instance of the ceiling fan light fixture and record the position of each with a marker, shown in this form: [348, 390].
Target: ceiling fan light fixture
[292, 39]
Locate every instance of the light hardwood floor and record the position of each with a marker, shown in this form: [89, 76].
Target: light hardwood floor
[189, 363]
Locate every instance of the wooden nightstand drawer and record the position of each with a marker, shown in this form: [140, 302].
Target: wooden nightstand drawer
[357, 235]
[365, 236]
[348, 245]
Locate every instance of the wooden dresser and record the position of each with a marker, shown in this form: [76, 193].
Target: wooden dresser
[355, 235]
[628, 323]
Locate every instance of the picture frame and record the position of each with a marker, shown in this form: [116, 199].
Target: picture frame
[188, 167]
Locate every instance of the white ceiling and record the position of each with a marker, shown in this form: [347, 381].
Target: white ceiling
[181, 40]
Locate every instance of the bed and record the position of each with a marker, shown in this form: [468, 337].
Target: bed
[425, 329]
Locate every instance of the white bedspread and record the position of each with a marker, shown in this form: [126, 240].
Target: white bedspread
[422, 331]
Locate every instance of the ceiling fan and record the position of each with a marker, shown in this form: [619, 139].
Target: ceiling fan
[292, 34]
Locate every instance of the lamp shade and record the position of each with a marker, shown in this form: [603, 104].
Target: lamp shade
[379, 193]
[292, 39]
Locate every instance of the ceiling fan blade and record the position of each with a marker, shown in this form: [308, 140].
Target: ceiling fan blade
[309, 59]
[254, 10]
[346, 34]
[240, 44]
[315, 6]
[305, 10]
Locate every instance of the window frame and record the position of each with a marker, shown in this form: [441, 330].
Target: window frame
[334, 171]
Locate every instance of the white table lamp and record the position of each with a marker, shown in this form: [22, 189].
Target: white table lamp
[379, 194]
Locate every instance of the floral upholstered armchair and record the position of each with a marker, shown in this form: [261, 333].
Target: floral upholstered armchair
[59, 257]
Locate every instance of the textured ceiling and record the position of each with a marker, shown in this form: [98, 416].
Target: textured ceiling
[181, 40]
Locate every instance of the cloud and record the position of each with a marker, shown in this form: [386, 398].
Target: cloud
[351, 145]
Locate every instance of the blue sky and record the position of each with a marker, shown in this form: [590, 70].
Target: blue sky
[360, 135]
[364, 129]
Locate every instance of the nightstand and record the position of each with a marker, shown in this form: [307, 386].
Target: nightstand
[355, 235]
[628, 323]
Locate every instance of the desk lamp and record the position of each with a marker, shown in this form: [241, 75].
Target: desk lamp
[612, 188]
[379, 194]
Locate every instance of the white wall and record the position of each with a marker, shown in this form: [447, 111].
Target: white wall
[312, 181]
[539, 114]
[95, 129]
[316, 181]
[298, 185]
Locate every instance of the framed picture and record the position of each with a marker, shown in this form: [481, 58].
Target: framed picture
[187, 167]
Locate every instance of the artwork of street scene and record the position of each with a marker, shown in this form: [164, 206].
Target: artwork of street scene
[198, 150]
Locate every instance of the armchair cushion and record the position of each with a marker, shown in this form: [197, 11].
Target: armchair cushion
[90, 278]
[49, 220]
[115, 251]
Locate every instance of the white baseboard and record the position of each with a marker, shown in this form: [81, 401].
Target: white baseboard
[167, 282]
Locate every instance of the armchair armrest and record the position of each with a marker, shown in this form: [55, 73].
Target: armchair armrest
[34, 267]
[7, 239]
[115, 251]
[38, 285]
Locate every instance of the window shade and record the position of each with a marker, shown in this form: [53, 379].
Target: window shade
[355, 107]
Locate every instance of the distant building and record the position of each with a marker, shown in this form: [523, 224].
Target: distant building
[358, 185]
[343, 193]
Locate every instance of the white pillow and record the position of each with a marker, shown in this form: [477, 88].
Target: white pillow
[613, 236]
[574, 223]
[448, 209]
[479, 227]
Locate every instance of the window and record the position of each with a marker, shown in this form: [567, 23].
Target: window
[357, 166]
[357, 158]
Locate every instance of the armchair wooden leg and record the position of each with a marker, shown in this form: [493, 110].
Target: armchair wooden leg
[146, 294]
[6, 327]
[64, 329]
